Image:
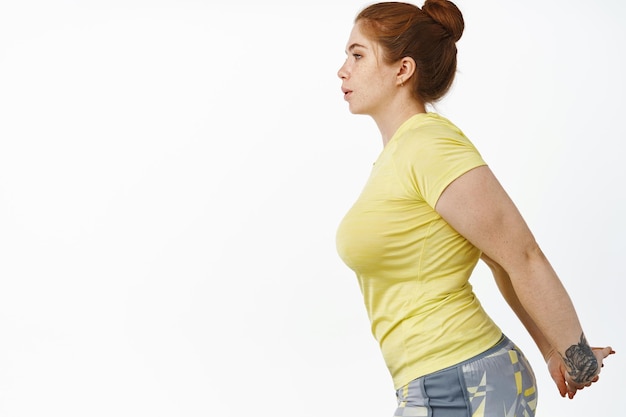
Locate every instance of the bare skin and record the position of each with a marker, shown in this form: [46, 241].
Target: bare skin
[477, 206]
[556, 364]
[375, 88]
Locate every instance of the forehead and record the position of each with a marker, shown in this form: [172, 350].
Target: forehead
[357, 38]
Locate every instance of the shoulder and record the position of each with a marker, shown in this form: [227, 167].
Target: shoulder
[430, 135]
[432, 154]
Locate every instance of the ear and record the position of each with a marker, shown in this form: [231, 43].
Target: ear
[406, 69]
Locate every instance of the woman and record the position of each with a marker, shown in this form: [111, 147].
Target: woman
[430, 209]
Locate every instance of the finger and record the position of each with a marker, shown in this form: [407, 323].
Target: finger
[571, 393]
[606, 351]
[571, 389]
[560, 384]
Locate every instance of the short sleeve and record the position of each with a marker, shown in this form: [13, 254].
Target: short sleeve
[430, 157]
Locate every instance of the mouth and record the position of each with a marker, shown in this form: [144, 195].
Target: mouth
[346, 93]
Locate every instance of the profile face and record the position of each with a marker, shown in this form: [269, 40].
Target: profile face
[368, 84]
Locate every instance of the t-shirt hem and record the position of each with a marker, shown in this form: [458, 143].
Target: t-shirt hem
[418, 372]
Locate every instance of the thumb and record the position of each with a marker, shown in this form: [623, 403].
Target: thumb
[602, 353]
[561, 385]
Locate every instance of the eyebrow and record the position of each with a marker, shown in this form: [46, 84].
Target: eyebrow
[355, 45]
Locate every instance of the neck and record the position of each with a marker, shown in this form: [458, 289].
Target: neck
[393, 117]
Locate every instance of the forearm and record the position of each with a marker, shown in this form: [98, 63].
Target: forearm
[543, 297]
[506, 289]
[476, 205]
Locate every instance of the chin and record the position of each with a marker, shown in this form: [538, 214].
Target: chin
[357, 110]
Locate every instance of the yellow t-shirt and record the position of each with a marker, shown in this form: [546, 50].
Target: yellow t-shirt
[413, 268]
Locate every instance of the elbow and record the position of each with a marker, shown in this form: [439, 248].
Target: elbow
[533, 253]
[522, 259]
[529, 262]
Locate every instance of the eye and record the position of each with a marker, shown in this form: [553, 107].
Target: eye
[357, 56]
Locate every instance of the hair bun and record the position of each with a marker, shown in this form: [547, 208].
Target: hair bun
[447, 15]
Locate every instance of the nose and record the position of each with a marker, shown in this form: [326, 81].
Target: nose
[342, 73]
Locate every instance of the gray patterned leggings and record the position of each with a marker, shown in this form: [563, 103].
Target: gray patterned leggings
[496, 383]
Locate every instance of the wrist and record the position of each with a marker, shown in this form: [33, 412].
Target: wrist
[548, 355]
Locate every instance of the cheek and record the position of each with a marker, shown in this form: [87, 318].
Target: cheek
[378, 86]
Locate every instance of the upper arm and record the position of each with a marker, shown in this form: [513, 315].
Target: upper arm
[478, 207]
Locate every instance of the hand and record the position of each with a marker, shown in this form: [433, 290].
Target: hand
[557, 371]
[600, 354]
[561, 376]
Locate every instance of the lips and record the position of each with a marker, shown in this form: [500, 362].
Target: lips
[346, 93]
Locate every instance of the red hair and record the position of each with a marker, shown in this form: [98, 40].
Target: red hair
[428, 35]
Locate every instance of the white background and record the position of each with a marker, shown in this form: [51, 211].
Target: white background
[172, 174]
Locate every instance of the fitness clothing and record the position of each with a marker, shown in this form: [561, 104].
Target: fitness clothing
[412, 267]
[496, 383]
